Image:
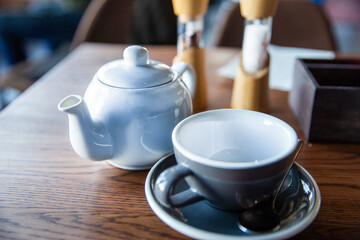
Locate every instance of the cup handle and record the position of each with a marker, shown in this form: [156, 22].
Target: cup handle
[165, 182]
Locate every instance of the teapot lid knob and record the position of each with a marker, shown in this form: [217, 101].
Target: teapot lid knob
[135, 70]
[136, 55]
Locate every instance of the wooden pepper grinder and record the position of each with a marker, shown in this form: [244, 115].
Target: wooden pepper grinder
[251, 85]
[190, 46]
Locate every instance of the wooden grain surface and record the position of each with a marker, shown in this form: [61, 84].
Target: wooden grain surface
[48, 192]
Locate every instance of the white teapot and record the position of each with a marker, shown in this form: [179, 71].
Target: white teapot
[130, 109]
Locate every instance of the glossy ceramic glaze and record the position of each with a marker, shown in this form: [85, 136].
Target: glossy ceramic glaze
[259, 150]
[129, 110]
[298, 204]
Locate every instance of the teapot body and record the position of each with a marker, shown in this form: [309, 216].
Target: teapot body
[140, 121]
[130, 109]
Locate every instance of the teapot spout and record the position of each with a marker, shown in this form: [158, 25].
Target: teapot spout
[88, 138]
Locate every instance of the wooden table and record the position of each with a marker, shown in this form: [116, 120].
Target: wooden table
[48, 192]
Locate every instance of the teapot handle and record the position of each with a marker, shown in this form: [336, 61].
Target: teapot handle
[187, 74]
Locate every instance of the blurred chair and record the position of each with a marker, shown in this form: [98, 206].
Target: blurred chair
[297, 23]
[127, 21]
[51, 23]
[105, 21]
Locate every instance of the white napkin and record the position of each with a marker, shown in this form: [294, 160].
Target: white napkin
[282, 64]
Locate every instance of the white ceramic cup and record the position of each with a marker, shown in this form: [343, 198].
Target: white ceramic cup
[233, 159]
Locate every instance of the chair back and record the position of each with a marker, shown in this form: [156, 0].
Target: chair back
[107, 21]
[128, 22]
[297, 23]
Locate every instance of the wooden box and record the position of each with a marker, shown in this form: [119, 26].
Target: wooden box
[325, 98]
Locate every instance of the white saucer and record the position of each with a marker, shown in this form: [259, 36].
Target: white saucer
[298, 204]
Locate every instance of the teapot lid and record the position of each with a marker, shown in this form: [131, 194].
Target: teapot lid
[135, 70]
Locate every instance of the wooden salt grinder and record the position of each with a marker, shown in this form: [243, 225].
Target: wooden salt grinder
[251, 90]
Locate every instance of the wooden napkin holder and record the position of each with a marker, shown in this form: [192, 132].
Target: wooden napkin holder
[325, 98]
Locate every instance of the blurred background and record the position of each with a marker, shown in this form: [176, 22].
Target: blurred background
[37, 34]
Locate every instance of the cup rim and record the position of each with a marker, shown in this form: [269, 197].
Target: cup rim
[233, 165]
